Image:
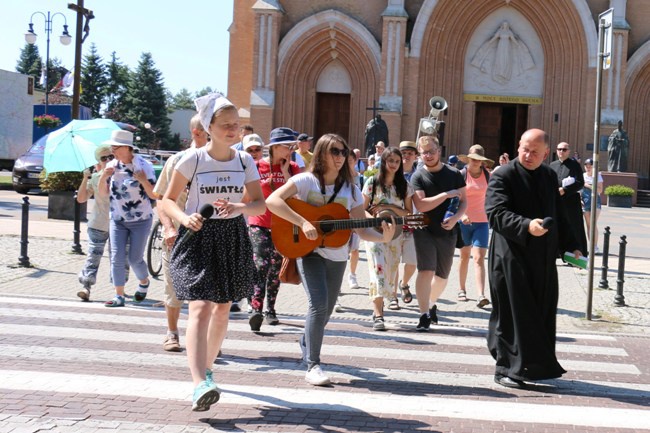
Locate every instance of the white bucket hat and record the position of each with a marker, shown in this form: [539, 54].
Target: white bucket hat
[120, 138]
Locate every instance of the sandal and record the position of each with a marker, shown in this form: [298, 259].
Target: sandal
[482, 301]
[141, 293]
[462, 296]
[407, 297]
[117, 301]
[393, 304]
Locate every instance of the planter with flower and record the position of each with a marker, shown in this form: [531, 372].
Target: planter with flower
[47, 121]
[61, 187]
[619, 196]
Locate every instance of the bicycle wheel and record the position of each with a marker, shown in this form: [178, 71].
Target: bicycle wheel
[154, 250]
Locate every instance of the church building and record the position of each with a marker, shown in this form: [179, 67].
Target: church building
[502, 66]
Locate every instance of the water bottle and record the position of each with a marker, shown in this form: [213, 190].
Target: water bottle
[452, 209]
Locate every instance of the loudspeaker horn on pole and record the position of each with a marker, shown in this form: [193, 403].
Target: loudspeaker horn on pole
[438, 104]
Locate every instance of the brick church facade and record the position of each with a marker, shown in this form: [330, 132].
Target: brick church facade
[503, 66]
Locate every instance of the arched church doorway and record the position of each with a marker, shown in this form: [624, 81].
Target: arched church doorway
[332, 114]
[498, 127]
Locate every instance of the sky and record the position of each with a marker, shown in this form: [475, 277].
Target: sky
[188, 40]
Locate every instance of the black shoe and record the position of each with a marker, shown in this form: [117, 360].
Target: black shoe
[234, 307]
[271, 318]
[433, 314]
[256, 320]
[425, 322]
[378, 324]
[508, 382]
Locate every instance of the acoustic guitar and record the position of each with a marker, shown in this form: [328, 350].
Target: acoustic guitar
[334, 226]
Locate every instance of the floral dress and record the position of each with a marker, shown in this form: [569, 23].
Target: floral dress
[383, 258]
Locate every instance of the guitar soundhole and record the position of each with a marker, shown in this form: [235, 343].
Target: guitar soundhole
[326, 226]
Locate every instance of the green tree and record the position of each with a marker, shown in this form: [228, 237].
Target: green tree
[204, 91]
[93, 81]
[146, 103]
[30, 63]
[182, 100]
[118, 76]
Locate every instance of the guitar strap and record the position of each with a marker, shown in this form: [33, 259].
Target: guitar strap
[336, 191]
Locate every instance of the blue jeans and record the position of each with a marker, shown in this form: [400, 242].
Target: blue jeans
[321, 279]
[135, 234]
[96, 243]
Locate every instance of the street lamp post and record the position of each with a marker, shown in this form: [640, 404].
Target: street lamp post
[154, 131]
[30, 38]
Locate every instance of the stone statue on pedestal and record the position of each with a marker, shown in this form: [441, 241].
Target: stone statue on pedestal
[617, 146]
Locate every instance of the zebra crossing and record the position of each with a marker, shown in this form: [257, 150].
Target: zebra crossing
[81, 367]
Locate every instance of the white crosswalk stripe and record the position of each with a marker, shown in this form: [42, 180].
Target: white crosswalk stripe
[76, 322]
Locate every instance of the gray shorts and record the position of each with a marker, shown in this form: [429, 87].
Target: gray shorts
[409, 255]
[434, 253]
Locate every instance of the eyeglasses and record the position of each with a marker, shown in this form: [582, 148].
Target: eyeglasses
[254, 149]
[107, 158]
[563, 149]
[335, 151]
[429, 152]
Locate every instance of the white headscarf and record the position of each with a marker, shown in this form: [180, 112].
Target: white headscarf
[207, 105]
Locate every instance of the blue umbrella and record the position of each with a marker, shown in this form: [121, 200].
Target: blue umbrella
[72, 148]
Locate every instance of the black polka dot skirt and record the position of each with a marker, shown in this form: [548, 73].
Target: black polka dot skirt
[215, 264]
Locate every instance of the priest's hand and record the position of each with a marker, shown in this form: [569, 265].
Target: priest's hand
[535, 227]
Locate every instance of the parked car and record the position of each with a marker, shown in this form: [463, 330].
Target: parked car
[28, 167]
[151, 158]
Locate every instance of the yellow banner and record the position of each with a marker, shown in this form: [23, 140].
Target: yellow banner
[529, 100]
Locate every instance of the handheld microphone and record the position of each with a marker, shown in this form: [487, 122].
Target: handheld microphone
[206, 212]
[548, 222]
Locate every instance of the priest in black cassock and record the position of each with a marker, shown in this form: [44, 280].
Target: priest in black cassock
[571, 180]
[522, 270]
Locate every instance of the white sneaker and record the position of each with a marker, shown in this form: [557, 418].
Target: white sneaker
[352, 281]
[316, 377]
[337, 306]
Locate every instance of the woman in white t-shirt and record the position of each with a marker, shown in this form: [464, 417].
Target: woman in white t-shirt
[213, 266]
[329, 179]
[585, 195]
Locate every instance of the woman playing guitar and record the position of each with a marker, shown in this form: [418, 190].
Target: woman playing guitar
[388, 190]
[329, 179]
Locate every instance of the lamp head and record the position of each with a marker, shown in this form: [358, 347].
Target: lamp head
[30, 36]
[65, 37]
[427, 126]
[147, 125]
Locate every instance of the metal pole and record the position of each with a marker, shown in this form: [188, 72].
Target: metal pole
[603, 276]
[619, 299]
[76, 246]
[23, 260]
[599, 82]
[77, 59]
[48, 30]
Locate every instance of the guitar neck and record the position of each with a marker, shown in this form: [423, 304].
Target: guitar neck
[361, 223]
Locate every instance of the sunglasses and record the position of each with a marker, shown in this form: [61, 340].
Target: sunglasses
[335, 151]
[563, 149]
[107, 158]
[254, 149]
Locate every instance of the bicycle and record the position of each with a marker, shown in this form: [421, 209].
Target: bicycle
[154, 249]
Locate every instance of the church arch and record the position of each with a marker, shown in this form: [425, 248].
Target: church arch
[637, 101]
[326, 40]
[581, 7]
[565, 67]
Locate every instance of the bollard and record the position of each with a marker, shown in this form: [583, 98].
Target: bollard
[23, 260]
[619, 299]
[603, 284]
[76, 246]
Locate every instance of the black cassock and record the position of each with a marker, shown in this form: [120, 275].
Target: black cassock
[522, 271]
[572, 199]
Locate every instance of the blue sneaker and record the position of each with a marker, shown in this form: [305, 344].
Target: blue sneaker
[205, 395]
[208, 376]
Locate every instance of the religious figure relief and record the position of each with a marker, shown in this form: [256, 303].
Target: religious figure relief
[504, 54]
[376, 131]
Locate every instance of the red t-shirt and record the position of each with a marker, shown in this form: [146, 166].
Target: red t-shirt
[271, 178]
